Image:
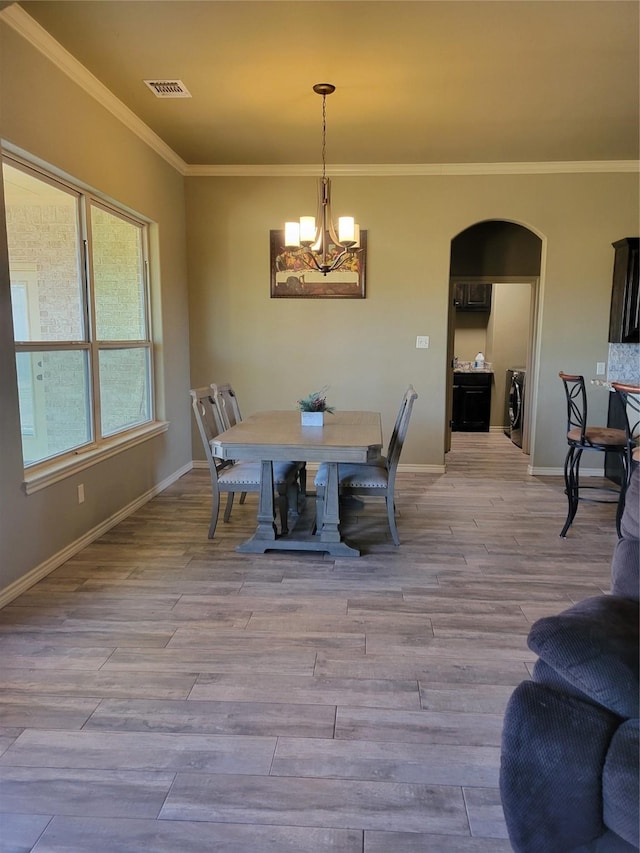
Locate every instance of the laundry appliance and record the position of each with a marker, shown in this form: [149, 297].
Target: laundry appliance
[514, 404]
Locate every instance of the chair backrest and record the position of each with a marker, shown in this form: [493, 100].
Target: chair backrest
[576, 394]
[400, 431]
[225, 399]
[629, 396]
[209, 425]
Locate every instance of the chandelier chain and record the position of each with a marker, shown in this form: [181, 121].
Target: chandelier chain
[324, 136]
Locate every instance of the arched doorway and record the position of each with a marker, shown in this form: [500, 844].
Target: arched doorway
[505, 257]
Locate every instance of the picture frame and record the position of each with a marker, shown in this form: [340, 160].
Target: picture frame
[291, 278]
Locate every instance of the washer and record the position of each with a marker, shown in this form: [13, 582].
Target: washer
[514, 404]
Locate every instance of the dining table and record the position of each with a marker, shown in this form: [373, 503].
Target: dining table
[279, 436]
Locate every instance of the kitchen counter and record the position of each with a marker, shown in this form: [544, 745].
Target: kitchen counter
[467, 367]
[608, 383]
[473, 369]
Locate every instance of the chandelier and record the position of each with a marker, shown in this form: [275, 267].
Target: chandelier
[319, 246]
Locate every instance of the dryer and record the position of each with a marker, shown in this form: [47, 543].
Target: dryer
[514, 404]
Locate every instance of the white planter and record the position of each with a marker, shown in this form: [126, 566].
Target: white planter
[312, 418]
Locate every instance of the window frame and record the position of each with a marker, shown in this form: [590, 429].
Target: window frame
[45, 472]
[99, 345]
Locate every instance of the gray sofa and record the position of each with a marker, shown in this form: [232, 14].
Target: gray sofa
[570, 741]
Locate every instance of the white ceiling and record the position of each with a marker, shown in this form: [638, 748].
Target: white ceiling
[418, 82]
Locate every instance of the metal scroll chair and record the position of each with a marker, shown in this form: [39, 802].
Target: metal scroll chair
[629, 397]
[227, 404]
[377, 478]
[581, 437]
[231, 477]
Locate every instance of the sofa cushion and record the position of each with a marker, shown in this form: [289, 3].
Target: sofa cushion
[620, 789]
[594, 646]
[553, 751]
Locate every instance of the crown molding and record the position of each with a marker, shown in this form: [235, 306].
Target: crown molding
[381, 170]
[38, 37]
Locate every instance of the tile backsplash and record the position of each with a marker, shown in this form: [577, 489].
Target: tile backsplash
[624, 363]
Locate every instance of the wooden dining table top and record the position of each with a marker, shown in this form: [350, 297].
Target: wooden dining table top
[279, 436]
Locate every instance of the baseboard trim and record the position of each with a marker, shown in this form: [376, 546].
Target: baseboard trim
[422, 469]
[26, 581]
[536, 471]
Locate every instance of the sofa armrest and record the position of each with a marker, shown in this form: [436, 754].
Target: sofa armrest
[553, 749]
[594, 646]
[620, 783]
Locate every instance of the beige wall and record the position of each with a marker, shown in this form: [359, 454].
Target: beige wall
[45, 114]
[273, 350]
[508, 333]
[471, 335]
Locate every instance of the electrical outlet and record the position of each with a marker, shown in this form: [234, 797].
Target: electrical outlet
[80, 493]
[422, 342]
[600, 368]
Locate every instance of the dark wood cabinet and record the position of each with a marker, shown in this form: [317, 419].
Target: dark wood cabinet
[471, 402]
[624, 319]
[472, 296]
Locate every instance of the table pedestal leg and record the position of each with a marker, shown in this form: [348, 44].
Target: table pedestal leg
[266, 519]
[327, 539]
[330, 531]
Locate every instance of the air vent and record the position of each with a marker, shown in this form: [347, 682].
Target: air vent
[168, 88]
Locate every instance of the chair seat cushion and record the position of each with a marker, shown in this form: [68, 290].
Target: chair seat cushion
[357, 475]
[594, 646]
[248, 473]
[600, 436]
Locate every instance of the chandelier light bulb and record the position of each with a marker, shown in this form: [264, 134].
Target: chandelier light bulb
[347, 230]
[292, 234]
[307, 230]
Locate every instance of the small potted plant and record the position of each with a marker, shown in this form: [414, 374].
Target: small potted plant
[313, 407]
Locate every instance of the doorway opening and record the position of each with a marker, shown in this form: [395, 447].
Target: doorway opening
[494, 281]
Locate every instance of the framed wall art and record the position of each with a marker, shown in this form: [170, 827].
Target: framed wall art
[291, 278]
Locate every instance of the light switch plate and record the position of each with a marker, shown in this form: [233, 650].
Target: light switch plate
[600, 365]
[422, 342]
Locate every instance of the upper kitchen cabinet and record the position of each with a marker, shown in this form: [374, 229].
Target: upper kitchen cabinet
[624, 319]
[472, 296]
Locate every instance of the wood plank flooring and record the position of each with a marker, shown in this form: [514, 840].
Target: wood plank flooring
[163, 693]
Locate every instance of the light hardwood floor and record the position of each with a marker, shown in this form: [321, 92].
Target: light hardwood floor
[163, 693]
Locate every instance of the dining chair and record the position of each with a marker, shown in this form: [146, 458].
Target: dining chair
[226, 401]
[376, 478]
[629, 397]
[581, 437]
[231, 477]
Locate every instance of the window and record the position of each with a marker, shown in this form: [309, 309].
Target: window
[79, 296]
